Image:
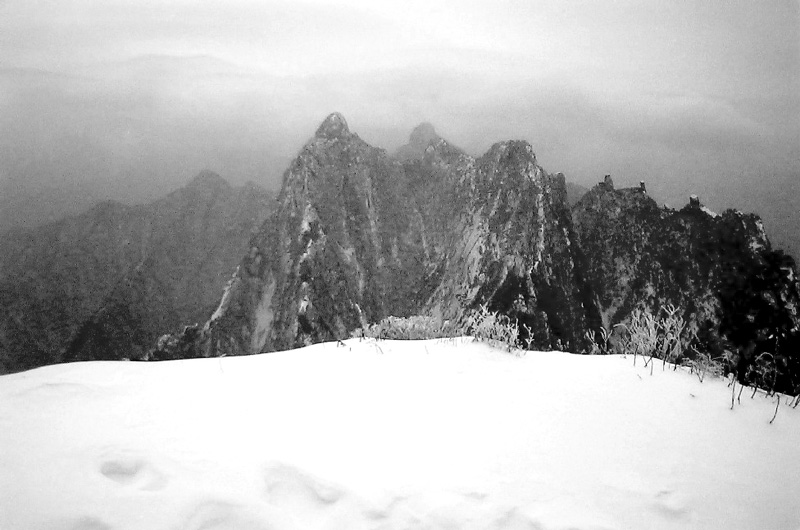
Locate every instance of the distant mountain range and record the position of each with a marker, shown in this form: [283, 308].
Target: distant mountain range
[107, 283]
[357, 235]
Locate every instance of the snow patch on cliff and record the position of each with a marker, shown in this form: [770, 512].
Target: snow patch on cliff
[263, 317]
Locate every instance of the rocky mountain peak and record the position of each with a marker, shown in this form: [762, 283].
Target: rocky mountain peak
[422, 135]
[334, 126]
[207, 179]
[512, 150]
[511, 162]
[420, 139]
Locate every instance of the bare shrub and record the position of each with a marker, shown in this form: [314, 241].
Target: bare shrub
[407, 328]
[481, 324]
[492, 327]
[702, 364]
[601, 346]
[656, 336]
[763, 373]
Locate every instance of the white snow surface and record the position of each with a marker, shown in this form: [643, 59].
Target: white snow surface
[445, 434]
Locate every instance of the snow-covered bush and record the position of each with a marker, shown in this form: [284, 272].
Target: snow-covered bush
[492, 327]
[481, 324]
[407, 328]
[656, 336]
[702, 364]
[599, 342]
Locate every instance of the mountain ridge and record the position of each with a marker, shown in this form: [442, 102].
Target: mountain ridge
[357, 235]
[63, 283]
[361, 235]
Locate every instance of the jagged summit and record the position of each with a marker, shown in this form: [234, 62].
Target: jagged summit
[334, 126]
[423, 134]
[419, 140]
[517, 155]
[512, 148]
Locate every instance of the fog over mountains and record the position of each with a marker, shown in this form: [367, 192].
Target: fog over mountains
[358, 235]
[428, 230]
[114, 102]
[117, 102]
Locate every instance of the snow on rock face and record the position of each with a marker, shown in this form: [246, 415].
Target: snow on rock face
[719, 270]
[391, 435]
[515, 253]
[343, 246]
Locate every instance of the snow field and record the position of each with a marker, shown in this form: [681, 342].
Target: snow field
[391, 434]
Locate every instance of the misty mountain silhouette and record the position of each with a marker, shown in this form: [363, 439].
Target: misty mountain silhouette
[105, 284]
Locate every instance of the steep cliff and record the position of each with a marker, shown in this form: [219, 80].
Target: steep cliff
[359, 236]
[513, 248]
[343, 248]
[734, 291]
[107, 283]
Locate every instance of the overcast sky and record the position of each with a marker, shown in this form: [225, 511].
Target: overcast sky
[132, 98]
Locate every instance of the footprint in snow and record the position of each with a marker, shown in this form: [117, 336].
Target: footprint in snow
[135, 472]
[89, 523]
[671, 505]
[286, 485]
[514, 519]
[216, 515]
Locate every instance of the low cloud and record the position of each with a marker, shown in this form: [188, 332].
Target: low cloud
[134, 130]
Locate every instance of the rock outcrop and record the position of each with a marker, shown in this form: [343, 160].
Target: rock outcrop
[734, 291]
[513, 248]
[342, 249]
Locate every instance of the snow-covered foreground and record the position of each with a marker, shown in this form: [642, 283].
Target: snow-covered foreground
[436, 434]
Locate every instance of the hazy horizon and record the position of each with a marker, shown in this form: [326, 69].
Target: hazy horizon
[131, 101]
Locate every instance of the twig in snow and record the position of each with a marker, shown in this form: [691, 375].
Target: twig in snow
[777, 404]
